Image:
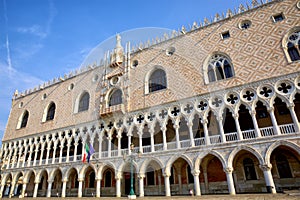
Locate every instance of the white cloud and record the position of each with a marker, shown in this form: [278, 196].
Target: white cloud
[41, 31]
[34, 30]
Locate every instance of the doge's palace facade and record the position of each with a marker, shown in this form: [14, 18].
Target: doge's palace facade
[214, 108]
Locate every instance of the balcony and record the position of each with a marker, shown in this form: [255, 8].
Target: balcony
[120, 108]
[214, 140]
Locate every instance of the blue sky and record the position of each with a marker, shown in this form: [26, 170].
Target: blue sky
[44, 39]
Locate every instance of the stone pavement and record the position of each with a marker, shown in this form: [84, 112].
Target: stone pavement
[203, 197]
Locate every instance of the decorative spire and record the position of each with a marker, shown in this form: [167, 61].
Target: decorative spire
[116, 57]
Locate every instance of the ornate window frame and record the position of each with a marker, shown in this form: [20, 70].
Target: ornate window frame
[46, 110]
[21, 118]
[78, 99]
[212, 58]
[148, 76]
[285, 41]
[110, 93]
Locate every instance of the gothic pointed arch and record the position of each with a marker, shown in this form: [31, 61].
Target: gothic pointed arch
[291, 44]
[82, 102]
[49, 112]
[22, 123]
[155, 80]
[217, 67]
[115, 97]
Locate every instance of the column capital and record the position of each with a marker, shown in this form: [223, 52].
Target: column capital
[118, 177]
[228, 170]
[252, 112]
[80, 179]
[219, 118]
[271, 109]
[141, 176]
[196, 172]
[189, 124]
[266, 167]
[163, 128]
[176, 126]
[166, 174]
[235, 115]
[204, 121]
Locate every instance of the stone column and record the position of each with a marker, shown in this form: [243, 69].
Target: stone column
[220, 122]
[167, 185]
[192, 141]
[237, 125]
[49, 188]
[152, 139]
[35, 191]
[19, 157]
[206, 135]
[109, 146]
[80, 187]
[141, 184]
[64, 187]
[25, 153]
[82, 150]
[118, 185]
[268, 178]
[23, 189]
[14, 157]
[294, 117]
[176, 127]
[42, 152]
[100, 145]
[60, 152]
[197, 183]
[53, 156]
[129, 142]
[9, 158]
[119, 136]
[230, 182]
[75, 150]
[12, 189]
[164, 130]
[140, 140]
[1, 190]
[98, 188]
[68, 152]
[255, 124]
[48, 154]
[35, 154]
[274, 121]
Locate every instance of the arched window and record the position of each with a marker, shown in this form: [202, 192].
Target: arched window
[24, 119]
[115, 98]
[249, 169]
[219, 67]
[84, 102]
[157, 80]
[51, 112]
[293, 46]
[283, 167]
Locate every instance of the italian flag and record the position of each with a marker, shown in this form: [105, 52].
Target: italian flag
[89, 150]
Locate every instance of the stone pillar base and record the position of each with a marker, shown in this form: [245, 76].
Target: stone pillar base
[131, 196]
